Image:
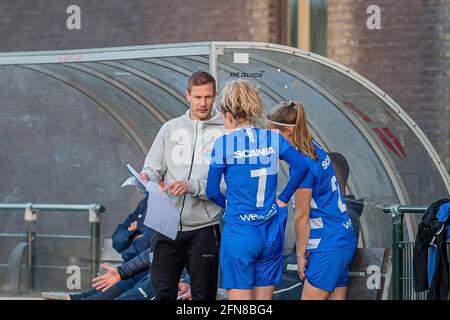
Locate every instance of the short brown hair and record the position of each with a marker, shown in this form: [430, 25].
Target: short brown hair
[340, 165]
[200, 78]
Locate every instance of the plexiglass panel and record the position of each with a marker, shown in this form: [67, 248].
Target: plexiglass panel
[70, 123]
[346, 117]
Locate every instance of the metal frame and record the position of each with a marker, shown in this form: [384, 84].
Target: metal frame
[212, 49]
[384, 158]
[101, 54]
[143, 75]
[158, 114]
[357, 78]
[32, 61]
[397, 213]
[30, 217]
[124, 123]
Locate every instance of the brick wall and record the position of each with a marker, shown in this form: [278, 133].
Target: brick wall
[409, 58]
[41, 24]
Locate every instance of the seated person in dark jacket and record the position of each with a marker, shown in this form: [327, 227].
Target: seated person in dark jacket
[354, 206]
[130, 239]
[130, 269]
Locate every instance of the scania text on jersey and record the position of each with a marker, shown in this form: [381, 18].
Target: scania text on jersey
[253, 153]
[252, 148]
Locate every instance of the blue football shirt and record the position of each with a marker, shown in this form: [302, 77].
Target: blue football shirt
[331, 226]
[249, 158]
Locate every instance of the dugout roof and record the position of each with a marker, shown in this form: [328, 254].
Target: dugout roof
[139, 88]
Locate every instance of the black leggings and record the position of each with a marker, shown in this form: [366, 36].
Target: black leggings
[198, 252]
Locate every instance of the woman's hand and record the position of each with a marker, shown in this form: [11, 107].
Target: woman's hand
[302, 262]
[133, 226]
[281, 204]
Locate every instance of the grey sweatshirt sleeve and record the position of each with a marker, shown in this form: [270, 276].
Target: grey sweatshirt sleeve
[155, 164]
[197, 188]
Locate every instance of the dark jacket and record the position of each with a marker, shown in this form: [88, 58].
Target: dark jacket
[123, 239]
[431, 231]
[139, 264]
[128, 248]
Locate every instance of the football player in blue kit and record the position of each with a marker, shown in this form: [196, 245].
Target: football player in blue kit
[325, 241]
[251, 249]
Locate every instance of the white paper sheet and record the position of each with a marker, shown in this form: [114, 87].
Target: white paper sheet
[133, 182]
[162, 216]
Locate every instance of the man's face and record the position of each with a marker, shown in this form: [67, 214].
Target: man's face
[201, 100]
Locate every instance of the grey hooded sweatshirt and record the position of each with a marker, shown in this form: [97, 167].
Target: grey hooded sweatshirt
[181, 151]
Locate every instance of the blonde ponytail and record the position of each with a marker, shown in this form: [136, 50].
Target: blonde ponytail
[242, 100]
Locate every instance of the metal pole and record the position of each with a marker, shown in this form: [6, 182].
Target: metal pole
[94, 221]
[213, 60]
[30, 219]
[397, 252]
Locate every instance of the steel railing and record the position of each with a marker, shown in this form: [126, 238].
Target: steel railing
[402, 270]
[30, 217]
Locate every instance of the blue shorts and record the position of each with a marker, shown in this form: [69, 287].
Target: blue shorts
[252, 255]
[328, 270]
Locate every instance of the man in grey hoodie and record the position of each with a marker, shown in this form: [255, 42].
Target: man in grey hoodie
[180, 155]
